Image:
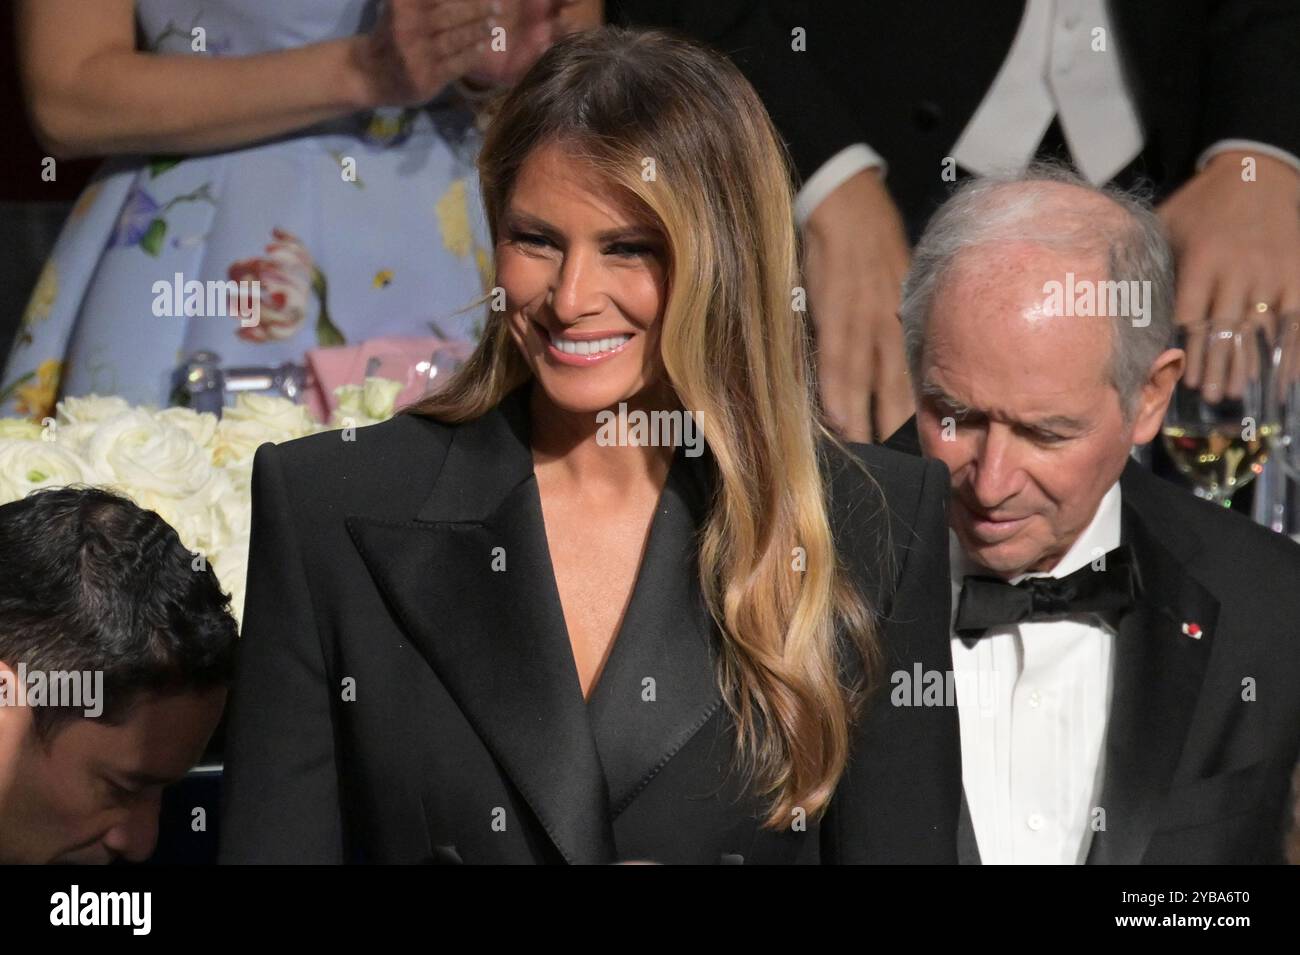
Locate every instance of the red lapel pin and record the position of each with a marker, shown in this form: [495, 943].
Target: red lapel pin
[1193, 630]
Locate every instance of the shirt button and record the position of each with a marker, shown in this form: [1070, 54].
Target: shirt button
[1034, 822]
[1035, 699]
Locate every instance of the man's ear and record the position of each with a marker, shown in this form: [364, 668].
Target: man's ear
[1153, 402]
[15, 724]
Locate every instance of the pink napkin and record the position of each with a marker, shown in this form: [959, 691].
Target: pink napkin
[421, 364]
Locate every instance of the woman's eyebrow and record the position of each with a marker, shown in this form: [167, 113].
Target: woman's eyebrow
[526, 220]
[644, 232]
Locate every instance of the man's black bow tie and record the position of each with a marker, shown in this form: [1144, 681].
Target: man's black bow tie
[987, 602]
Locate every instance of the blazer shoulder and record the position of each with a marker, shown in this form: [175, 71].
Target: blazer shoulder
[1226, 550]
[885, 504]
[378, 464]
[1223, 532]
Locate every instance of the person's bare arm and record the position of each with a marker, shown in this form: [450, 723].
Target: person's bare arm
[91, 92]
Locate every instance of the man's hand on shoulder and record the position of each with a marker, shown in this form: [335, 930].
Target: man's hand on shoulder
[1235, 229]
[857, 255]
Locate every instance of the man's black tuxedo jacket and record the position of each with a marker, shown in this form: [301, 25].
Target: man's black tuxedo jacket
[406, 690]
[906, 76]
[1204, 733]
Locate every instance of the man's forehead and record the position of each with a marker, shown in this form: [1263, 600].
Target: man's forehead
[1018, 268]
[153, 737]
[1007, 320]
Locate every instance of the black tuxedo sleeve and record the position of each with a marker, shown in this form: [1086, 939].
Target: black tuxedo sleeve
[899, 799]
[1252, 73]
[280, 795]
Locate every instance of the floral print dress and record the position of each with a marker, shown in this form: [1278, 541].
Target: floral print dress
[366, 226]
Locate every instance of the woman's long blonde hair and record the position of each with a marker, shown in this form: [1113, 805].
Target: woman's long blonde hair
[679, 128]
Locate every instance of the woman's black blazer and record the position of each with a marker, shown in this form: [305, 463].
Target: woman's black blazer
[406, 691]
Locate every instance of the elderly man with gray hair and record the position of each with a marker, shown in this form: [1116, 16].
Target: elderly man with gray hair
[1126, 656]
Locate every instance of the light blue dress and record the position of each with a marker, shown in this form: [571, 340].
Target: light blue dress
[366, 226]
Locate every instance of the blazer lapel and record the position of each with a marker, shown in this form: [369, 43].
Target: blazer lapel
[470, 580]
[1157, 675]
[658, 686]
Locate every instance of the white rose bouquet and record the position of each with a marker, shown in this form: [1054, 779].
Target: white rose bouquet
[195, 471]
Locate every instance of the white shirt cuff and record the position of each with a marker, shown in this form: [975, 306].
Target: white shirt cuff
[833, 173]
[1246, 145]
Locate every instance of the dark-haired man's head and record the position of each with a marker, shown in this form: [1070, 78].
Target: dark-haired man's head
[116, 647]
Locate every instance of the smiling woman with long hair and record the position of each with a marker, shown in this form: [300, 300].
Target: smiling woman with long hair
[496, 629]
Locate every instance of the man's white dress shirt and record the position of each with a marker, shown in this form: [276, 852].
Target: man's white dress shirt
[1033, 700]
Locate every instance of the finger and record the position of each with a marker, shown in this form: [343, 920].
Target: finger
[892, 400]
[1227, 311]
[842, 354]
[1288, 299]
[463, 61]
[1244, 363]
[1257, 350]
[1288, 333]
[845, 393]
[1289, 373]
[1191, 306]
[451, 42]
[537, 37]
[844, 373]
[441, 15]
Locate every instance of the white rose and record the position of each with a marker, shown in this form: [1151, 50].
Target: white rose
[191, 519]
[272, 412]
[26, 466]
[240, 477]
[19, 429]
[90, 409]
[9, 491]
[376, 398]
[340, 418]
[254, 420]
[366, 404]
[149, 457]
[379, 396]
[232, 514]
[349, 399]
[237, 441]
[201, 427]
[73, 437]
[230, 564]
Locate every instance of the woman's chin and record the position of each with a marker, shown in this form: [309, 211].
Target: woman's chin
[586, 397]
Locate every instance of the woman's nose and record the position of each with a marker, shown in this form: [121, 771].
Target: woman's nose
[577, 291]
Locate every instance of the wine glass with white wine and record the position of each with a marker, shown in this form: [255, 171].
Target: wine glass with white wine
[1221, 439]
